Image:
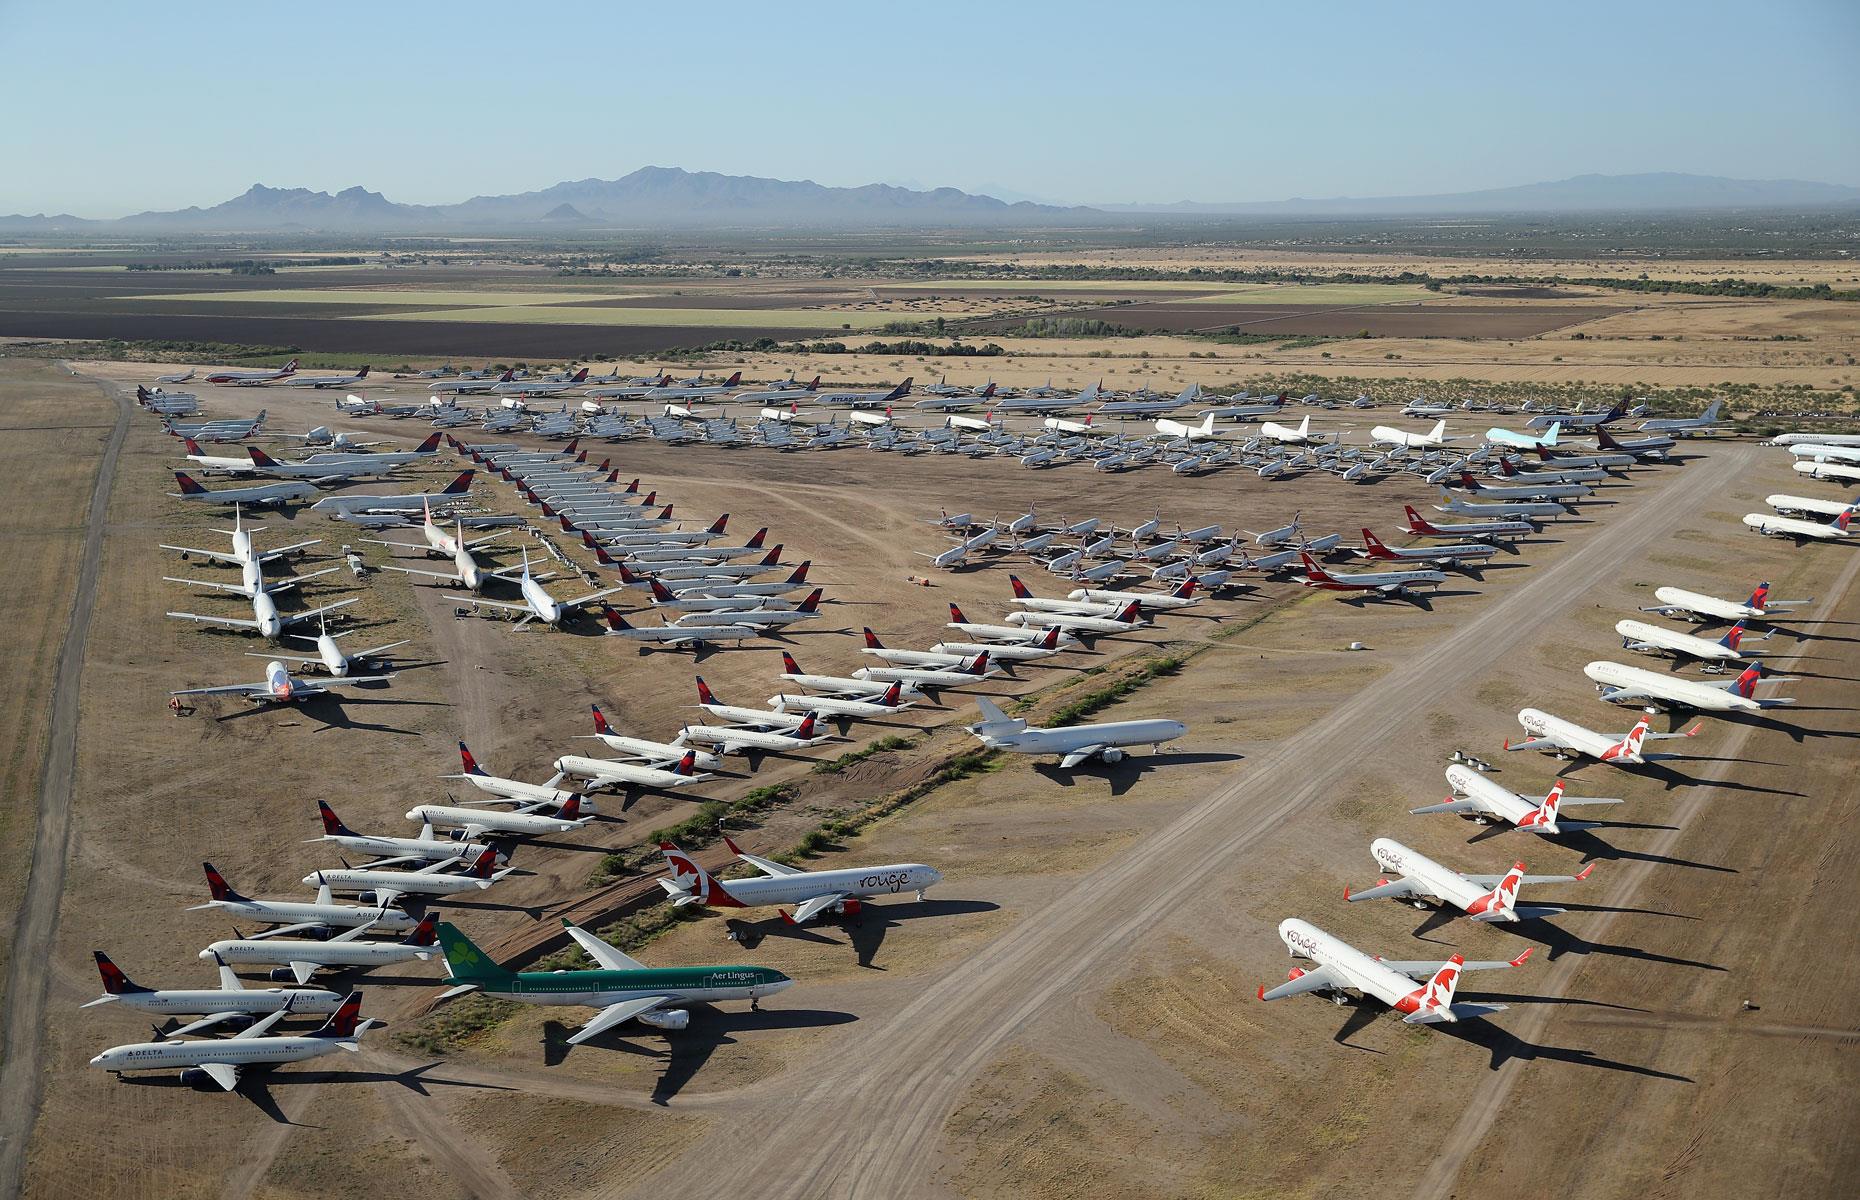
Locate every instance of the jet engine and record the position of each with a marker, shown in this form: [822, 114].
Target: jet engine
[1112, 755]
[670, 1018]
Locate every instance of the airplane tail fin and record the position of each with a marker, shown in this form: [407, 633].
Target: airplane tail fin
[1759, 596]
[756, 540]
[979, 665]
[660, 593]
[459, 486]
[343, 1022]
[1416, 522]
[1556, 430]
[800, 572]
[812, 603]
[805, 729]
[955, 615]
[332, 824]
[871, 639]
[1374, 546]
[892, 696]
[691, 883]
[788, 665]
[465, 962]
[217, 885]
[1186, 590]
[1501, 902]
[422, 934]
[1439, 431]
[614, 620]
[1437, 994]
[467, 762]
[773, 557]
[600, 719]
[187, 485]
[1311, 567]
[1544, 815]
[114, 981]
[717, 525]
[1840, 522]
[1020, 589]
[705, 695]
[1629, 746]
[1733, 638]
[1746, 684]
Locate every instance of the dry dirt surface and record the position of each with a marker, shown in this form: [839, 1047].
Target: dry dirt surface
[1072, 1011]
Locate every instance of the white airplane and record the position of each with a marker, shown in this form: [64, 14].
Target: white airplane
[1182, 596]
[230, 1003]
[1803, 505]
[978, 668]
[375, 886]
[183, 377]
[252, 378]
[959, 553]
[1046, 647]
[266, 620]
[1004, 633]
[393, 850]
[297, 916]
[1525, 441]
[465, 572]
[1801, 531]
[344, 451]
[864, 399]
[738, 739]
[1281, 536]
[1566, 739]
[1129, 619]
[841, 685]
[1642, 688]
[842, 892]
[1686, 426]
[755, 717]
[678, 636]
[1073, 744]
[221, 1059]
[1439, 556]
[1826, 452]
[328, 381]
[252, 583]
[1504, 509]
[1383, 583]
[553, 386]
[1078, 608]
[1486, 801]
[1419, 526]
[470, 385]
[888, 703]
[301, 958]
[1654, 639]
[1703, 609]
[1845, 473]
[1342, 968]
[1388, 435]
[332, 472]
[329, 655]
[280, 687]
[242, 551]
[389, 502]
[760, 617]
[607, 772]
[657, 754]
[536, 794]
[526, 820]
[1194, 433]
[217, 464]
[1488, 898]
[1524, 487]
[256, 494]
[538, 604]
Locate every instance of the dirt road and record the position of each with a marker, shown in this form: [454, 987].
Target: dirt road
[22, 1069]
[903, 1076]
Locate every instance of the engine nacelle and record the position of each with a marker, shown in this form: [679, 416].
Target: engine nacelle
[367, 898]
[1113, 755]
[849, 907]
[281, 975]
[1295, 973]
[670, 1018]
[194, 1077]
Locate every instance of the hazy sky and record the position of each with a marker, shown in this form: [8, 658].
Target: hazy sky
[116, 107]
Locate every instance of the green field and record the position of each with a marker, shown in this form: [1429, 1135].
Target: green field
[389, 296]
[745, 318]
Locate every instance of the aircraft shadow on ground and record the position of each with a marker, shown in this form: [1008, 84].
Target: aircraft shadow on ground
[256, 1085]
[331, 712]
[1505, 1046]
[689, 1049]
[1558, 941]
[865, 932]
[1124, 775]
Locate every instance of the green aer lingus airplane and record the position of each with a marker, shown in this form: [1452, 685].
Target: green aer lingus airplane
[623, 988]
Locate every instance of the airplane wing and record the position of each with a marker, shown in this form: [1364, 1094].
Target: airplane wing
[615, 1014]
[451, 576]
[383, 897]
[224, 1074]
[1457, 1012]
[262, 1026]
[1452, 806]
[1495, 880]
[609, 958]
[396, 545]
[1427, 970]
[1078, 756]
[206, 1022]
[591, 597]
[231, 622]
[1399, 887]
[1310, 981]
[1535, 744]
[229, 689]
[291, 658]
[326, 684]
[215, 555]
[280, 931]
[767, 865]
[207, 583]
[268, 555]
[484, 603]
[302, 971]
[815, 907]
[374, 650]
[294, 618]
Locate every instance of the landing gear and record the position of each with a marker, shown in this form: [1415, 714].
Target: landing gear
[755, 1004]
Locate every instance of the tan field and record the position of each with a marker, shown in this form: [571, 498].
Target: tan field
[1072, 1011]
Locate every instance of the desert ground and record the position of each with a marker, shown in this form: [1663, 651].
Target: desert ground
[1072, 1010]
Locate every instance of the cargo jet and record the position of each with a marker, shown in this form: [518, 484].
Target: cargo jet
[1388, 435]
[1073, 744]
[221, 1059]
[622, 987]
[1342, 968]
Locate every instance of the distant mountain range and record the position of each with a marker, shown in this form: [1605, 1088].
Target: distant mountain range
[668, 197]
[1581, 194]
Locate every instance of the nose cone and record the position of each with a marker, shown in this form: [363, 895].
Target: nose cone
[311, 880]
[778, 984]
[207, 953]
[933, 876]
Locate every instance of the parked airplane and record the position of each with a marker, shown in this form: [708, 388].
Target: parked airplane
[1281, 536]
[679, 636]
[1803, 505]
[232, 1003]
[1686, 426]
[1488, 898]
[438, 541]
[1004, 633]
[329, 472]
[888, 703]
[1702, 609]
[253, 378]
[182, 377]
[1642, 688]
[1440, 556]
[266, 620]
[279, 686]
[607, 772]
[622, 987]
[277, 494]
[757, 717]
[1525, 441]
[374, 886]
[330, 656]
[1503, 509]
[1073, 744]
[297, 916]
[957, 554]
[222, 1059]
[1383, 583]
[760, 734]
[301, 958]
[390, 502]
[1524, 487]
[540, 387]
[1653, 639]
[1129, 619]
[864, 399]
[539, 794]
[1182, 596]
[842, 891]
[1487, 531]
[1176, 429]
[1799, 530]
[394, 850]
[1838, 472]
[1566, 739]
[658, 754]
[526, 820]
[1388, 435]
[328, 381]
[1342, 968]
[538, 604]
[1486, 801]
[344, 452]
[242, 551]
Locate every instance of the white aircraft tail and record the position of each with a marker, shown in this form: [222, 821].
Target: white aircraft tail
[1304, 426]
[1549, 438]
[1439, 432]
[994, 720]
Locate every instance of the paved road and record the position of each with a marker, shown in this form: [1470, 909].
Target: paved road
[22, 1070]
[867, 1118]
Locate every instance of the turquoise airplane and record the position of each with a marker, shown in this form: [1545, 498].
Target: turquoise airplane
[623, 988]
[1524, 441]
